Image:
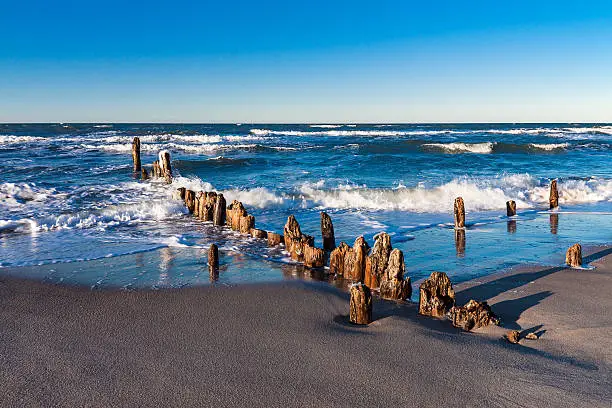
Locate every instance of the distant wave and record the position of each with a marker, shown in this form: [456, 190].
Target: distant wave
[549, 146]
[326, 126]
[188, 148]
[481, 148]
[12, 139]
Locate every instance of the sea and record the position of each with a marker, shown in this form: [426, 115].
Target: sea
[72, 212]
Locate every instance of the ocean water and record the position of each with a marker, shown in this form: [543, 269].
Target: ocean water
[67, 194]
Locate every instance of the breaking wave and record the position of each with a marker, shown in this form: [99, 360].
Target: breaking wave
[481, 148]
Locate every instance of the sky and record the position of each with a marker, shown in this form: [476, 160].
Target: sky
[316, 61]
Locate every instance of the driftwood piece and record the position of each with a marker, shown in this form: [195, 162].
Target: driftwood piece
[376, 263]
[336, 259]
[327, 232]
[219, 215]
[436, 295]
[573, 256]
[361, 304]
[513, 336]
[136, 154]
[314, 257]
[553, 199]
[394, 286]
[473, 315]
[510, 208]
[459, 211]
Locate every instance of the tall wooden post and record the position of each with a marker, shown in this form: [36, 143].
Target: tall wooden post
[164, 164]
[510, 208]
[327, 231]
[554, 195]
[219, 211]
[136, 154]
[459, 213]
[361, 304]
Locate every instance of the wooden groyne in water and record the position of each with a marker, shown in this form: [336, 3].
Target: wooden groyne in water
[380, 269]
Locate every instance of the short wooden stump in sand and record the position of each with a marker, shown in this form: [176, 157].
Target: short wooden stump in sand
[361, 304]
[573, 257]
[436, 296]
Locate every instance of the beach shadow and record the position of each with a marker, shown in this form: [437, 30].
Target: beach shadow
[488, 290]
[509, 311]
[597, 255]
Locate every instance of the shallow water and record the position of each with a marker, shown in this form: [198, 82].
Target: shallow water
[67, 194]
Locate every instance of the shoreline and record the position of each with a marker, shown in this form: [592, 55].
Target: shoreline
[290, 343]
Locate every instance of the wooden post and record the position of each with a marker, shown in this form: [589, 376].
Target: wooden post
[259, 233]
[219, 213]
[394, 286]
[573, 256]
[246, 224]
[361, 304]
[190, 201]
[459, 213]
[136, 154]
[376, 263]
[355, 260]
[436, 295]
[327, 231]
[144, 174]
[314, 257]
[336, 259]
[554, 195]
[510, 208]
[165, 167]
[274, 239]
[213, 256]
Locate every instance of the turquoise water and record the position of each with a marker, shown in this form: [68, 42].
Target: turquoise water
[67, 194]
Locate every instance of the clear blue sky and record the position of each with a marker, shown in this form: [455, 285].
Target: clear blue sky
[315, 61]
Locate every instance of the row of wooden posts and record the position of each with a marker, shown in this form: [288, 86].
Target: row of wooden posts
[379, 268]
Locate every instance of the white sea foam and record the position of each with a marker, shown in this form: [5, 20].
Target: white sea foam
[342, 133]
[549, 146]
[6, 140]
[18, 194]
[481, 148]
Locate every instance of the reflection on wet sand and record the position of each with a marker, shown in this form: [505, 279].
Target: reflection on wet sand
[511, 226]
[460, 242]
[166, 259]
[554, 223]
[297, 271]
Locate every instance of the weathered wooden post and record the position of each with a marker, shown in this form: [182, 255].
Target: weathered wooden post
[219, 213]
[327, 231]
[376, 263]
[554, 195]
[355, 260]
[274, 239]
[144, 174]
[436, 295]
[247, 223]
[573, 256]
[136, 154]
[472, 315]
[394, 286]
[213, 256]
[510, 208]
[213, 262]
[314, 257]
[361, 304]
[164, 164]
[190, 200]
[459, 213]
[336, 259]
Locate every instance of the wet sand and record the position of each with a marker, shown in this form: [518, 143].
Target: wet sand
[289, 344]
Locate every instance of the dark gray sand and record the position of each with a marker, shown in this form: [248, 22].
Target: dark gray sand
[289, 344]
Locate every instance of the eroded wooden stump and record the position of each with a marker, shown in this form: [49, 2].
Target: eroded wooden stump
[376, 263]
[208, 211]
[274, 239]
[327, 232]
[190, 200]
[165, 167]
[394, 286]
[553, 199]
[361, 304]
[459, 211]
[355, 260]
[246, 224]
[436, 295]
[510, 208]
[314, 257]
[234, 213]
[136, 155]
[219, 215]
[473, 315]
[258, 233]
[573, 256]
[336, 259]
[144, 174]
[213, 256]
[295, 241]
[513, 336]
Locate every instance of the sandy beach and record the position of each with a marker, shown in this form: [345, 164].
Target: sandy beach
[289, 344]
